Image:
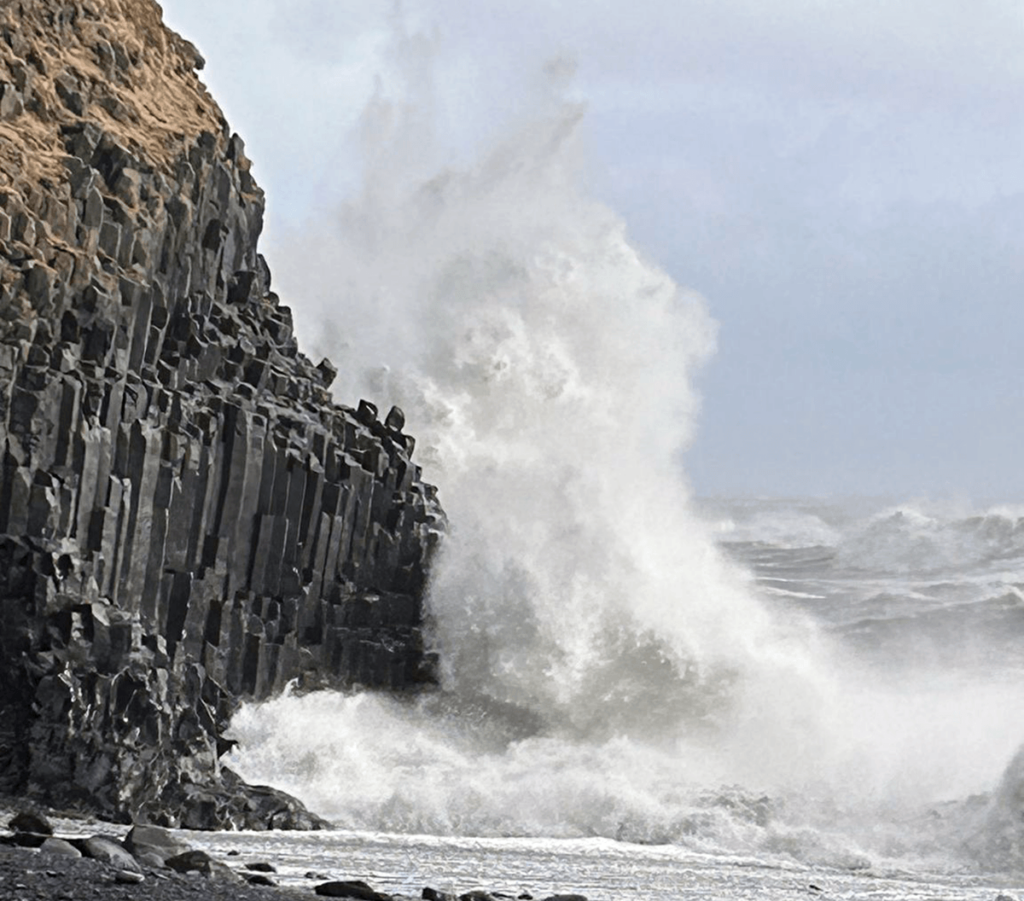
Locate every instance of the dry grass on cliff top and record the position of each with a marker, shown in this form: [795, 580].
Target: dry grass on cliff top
[137, 79]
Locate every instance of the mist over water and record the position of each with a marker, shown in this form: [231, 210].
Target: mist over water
[607, 668]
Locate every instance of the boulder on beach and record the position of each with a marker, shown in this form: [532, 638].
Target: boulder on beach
[353, 889]
[30, 821]
[110, 851]
[59, 847]
[198, 861]
[149, 843]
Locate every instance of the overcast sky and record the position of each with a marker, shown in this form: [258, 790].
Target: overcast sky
[843, 182]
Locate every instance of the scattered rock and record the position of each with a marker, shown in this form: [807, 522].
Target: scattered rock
[28, 840]
[108, 850]
[260, 879]
[355, 889]
[190, 861]
[128, 877]
[261, 866]
[30, 821]
[59, 848]
[200, 862]
[30, 829]
[150, 859]
[154, 842]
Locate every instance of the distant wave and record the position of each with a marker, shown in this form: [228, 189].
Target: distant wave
[912, 539]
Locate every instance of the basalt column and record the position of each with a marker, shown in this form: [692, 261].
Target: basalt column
[187, 518]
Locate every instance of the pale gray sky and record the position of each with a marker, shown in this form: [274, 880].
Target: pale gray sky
[842, 181]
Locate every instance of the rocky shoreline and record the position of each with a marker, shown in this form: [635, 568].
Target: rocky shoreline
[150, 863]
[30, 874]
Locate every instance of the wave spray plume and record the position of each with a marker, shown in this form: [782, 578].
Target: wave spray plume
[603, 663]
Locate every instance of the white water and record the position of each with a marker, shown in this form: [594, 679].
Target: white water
[607, 670]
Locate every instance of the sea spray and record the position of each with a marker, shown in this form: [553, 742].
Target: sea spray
[606, 670]
[546, 368]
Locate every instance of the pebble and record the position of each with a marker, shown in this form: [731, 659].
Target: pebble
[260, 879]
[128, 877]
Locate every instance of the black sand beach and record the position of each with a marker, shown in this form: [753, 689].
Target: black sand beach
[27, 875]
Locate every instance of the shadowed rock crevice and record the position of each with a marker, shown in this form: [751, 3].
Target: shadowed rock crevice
[187, 519]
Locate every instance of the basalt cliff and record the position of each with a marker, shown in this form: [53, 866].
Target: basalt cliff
[187, 518]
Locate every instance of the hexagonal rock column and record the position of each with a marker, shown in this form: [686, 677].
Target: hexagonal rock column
[187, 519]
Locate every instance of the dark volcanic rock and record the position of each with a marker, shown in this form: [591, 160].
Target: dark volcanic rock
[27, 840]
[109, 851]
[355, 889]
[201, 862]
[25, 875]
[259, 879]
[155, 841]
[60, 848]
[187, 519]
[30, 821]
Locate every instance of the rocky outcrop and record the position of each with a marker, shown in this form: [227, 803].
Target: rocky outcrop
[187, 519]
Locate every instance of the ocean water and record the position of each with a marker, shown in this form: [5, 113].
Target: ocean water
[907, 785]
[642, 693]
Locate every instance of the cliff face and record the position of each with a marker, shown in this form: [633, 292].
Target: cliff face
[186, 518]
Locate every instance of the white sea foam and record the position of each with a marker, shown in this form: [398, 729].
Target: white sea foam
[605, 668]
